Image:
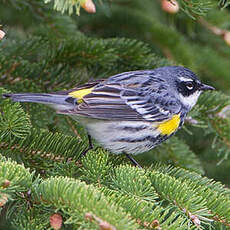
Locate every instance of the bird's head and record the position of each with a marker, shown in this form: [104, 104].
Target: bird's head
[186, 84]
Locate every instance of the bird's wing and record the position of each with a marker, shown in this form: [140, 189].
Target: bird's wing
[128, 96]
[88, 85]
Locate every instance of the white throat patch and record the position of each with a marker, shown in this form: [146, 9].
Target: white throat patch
[191, 100]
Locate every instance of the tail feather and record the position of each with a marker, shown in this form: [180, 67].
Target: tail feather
[56, 101]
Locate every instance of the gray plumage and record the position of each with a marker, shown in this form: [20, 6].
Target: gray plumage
[124, 112]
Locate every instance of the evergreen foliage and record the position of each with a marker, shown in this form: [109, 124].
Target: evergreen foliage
[41, 168]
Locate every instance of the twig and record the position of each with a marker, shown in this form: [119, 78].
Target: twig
[73, 128]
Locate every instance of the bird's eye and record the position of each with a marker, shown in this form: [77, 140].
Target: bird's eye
[189, 85]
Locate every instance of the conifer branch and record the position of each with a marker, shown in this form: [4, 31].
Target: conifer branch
[14, 122]
[78, 199]
[45, 51]
[43, 144]
[16, 174]
[179, 154]
[196, 8]
[215, 195]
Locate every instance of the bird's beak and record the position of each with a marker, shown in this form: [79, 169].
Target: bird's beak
[206, 87]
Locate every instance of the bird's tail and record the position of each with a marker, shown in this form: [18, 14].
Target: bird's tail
[56, 101]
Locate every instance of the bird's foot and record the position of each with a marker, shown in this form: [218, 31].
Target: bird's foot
[89, 148]
[134, 162]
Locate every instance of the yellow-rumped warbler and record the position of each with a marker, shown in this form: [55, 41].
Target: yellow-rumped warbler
[130, 112]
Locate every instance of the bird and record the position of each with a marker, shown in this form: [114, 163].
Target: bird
[131, 112]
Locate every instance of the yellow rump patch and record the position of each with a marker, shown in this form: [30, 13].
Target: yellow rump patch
[170, 126]
[79, 94]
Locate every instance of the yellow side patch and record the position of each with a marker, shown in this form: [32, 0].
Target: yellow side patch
[79, 94]
[170, 126]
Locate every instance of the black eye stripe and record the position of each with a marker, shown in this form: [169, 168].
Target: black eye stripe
[187, 88]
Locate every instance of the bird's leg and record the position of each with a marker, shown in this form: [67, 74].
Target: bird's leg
[90, 146]
[127, 155]
[90, 142]
[132, 160]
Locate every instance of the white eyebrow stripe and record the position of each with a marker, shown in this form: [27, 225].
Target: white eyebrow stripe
[185, 79]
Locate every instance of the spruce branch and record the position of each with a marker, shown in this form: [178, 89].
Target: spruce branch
[215, 195]
[13, 175]
[65, 62]
[102, 224]
[45, 145]
[195, 8]
[175, 151]
[212, 103]
[191, 8]
[209, 111]
[70, 6]
[137, 196]
[145, 210]
[221, 142]
[15, 182]
[66, 6]
[77, 199]
[180, 196]
[17, 136]
[186, 175]
[14, 122]
[50, 53]
[137, 184]
[70, 122]
[96, 166]
[224, 34]
[224, 3]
